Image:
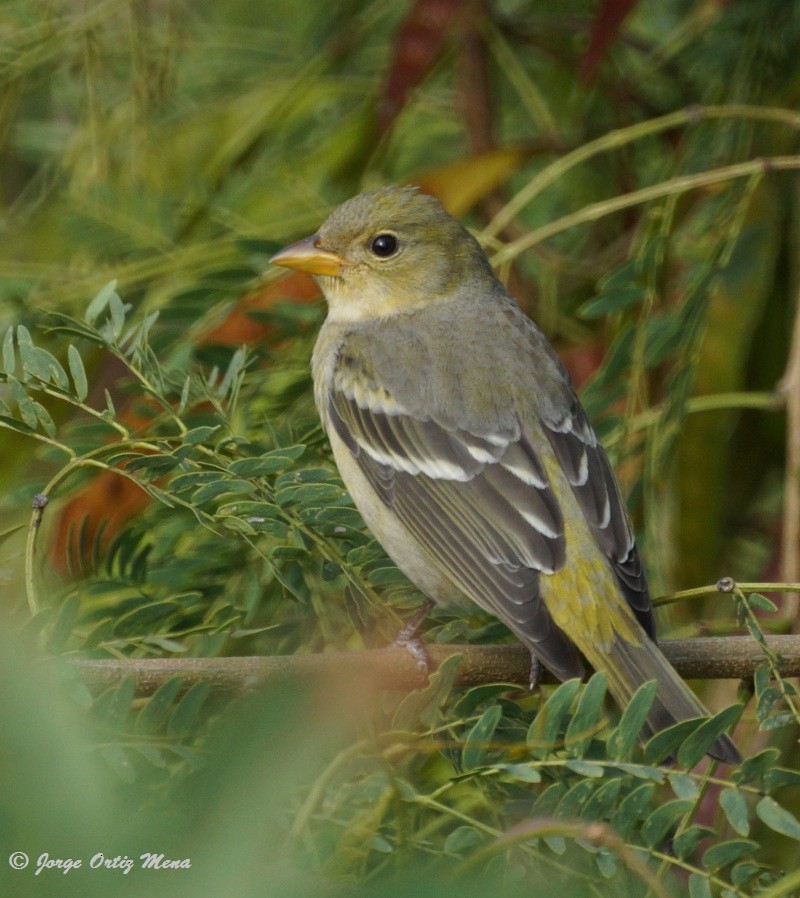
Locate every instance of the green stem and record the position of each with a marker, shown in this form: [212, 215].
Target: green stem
[89, 460]
[622, 136]
[678, 185]
[701, 591]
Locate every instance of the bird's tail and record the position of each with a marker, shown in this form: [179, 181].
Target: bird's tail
[628, 666]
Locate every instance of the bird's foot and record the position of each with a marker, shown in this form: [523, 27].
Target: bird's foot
[408, 639]
[536, 672]
[416, 648]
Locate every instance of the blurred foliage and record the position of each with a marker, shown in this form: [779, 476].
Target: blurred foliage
[155, 407]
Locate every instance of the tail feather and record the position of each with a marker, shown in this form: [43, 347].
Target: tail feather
[628, 666]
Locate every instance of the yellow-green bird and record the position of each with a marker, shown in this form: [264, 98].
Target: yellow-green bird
[456, 430]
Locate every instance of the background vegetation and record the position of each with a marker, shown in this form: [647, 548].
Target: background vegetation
[631, 168]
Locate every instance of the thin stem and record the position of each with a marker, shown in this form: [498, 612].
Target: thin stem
[695, 404]
[681, 184]
[622, 136]
[88, 460]
[701, 591]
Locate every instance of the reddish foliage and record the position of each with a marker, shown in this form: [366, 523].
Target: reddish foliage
[606, 28]
[418, 46]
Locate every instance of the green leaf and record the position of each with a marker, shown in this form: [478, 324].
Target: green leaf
[117, 759]
[743, 874]
[705, 735]
[423, 704]
[235, 367]
[603, 799]
[462, 839]
[198, 435]
[237, 525]
[221, 487]
[606, 863]
[725, 853]
[335, 520]
[18, 426]
[183, 719]
[99, 302]
[778, 777]
[665, 743]
[762, 603]
[78, 372]
[476, 696]
[116, 315]
[184, 400]
[479, 739]
[778, 818]
[549, 721]
[9, 360]
[154, 755]
[116, 706]
[685, 844]
[663, 820]
[253, 467]
[684, 786]
[584, 768]
[524, 773]
[641, 771]
[153, 464]
[64, 622]
[192, 479]
[618, 300]
[586, 718]
[140, 619]
[623, 740]
[24, 405]
[48, 425]
[734, 805]
[633, 807]
[308, 494]
[755, 768]
[572, 804]
[44, 366]
[699, 886]
[270, 463]
[307, 475]
[386, 577]
[152, 716]
[621, 277]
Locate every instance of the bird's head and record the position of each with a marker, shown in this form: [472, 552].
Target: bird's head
[388, 252]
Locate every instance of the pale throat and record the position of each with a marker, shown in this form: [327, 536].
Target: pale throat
[349, 304]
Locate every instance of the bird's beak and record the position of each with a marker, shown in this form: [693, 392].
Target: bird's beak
[308, 255]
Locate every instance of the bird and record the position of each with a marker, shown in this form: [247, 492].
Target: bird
[457, 431]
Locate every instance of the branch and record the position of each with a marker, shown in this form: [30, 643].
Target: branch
[717, 657]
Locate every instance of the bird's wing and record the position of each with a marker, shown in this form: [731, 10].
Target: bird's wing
[482, 503]
[589, 471]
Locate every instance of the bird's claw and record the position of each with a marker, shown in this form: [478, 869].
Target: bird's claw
[416, 648]
[408, 639]
[536, 672]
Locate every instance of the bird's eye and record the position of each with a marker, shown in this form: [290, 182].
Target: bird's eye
[384, 245]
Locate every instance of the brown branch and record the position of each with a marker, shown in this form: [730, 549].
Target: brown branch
[717, 657]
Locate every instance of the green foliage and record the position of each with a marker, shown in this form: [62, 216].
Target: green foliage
[439, 775]
[154, 157]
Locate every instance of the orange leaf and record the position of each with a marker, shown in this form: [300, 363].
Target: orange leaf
[461, 184]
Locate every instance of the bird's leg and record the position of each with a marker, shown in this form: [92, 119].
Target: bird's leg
[536, 672]
[408, 638]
